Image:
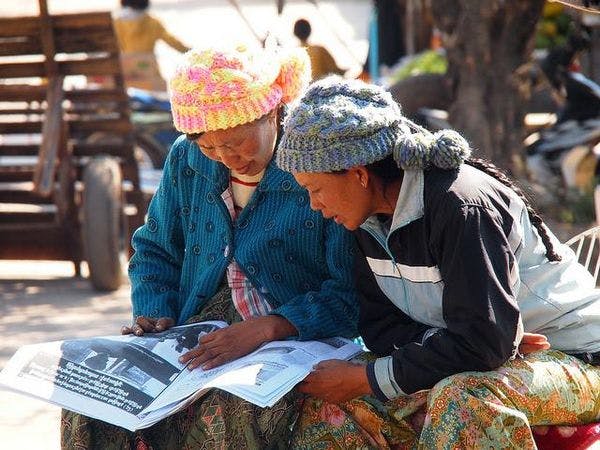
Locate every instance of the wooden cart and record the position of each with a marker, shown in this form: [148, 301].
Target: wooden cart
[65, 195]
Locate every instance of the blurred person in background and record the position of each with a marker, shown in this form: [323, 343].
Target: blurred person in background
[137, 33]
[321, 61]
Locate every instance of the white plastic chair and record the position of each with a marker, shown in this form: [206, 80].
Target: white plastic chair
[586, 246]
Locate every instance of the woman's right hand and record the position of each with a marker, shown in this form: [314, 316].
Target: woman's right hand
[143, 324]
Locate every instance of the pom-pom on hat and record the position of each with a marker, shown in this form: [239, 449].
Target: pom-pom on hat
[215, 89]
[338, 124]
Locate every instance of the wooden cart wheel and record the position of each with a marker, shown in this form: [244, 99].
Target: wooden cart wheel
[104, 223]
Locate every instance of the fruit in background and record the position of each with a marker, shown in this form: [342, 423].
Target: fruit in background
[553, 27]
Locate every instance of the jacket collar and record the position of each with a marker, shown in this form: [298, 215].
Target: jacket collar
[409, 206]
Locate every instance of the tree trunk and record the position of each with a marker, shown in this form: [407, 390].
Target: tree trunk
[486, 43]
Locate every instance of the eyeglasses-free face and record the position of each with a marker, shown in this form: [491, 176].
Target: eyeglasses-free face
[343, 197]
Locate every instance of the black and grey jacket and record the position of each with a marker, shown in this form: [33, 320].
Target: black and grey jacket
[451, 283]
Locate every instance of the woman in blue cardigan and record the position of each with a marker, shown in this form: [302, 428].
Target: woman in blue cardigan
[230, 236]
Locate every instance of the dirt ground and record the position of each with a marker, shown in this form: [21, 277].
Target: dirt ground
[39, 302]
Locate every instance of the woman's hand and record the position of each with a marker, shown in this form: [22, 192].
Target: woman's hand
[533, 342]
[237, 340]
[336, 381]
[145, 324]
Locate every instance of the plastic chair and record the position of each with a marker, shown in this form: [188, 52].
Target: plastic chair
[586, 246]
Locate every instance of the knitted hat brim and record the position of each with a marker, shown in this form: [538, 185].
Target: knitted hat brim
[300, 154]
[207, 117]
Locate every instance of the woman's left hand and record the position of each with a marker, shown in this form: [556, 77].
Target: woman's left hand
[533, 342]
[235, 341]
[336, 381]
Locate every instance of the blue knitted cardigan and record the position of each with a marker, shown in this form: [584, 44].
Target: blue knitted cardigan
[300, 261]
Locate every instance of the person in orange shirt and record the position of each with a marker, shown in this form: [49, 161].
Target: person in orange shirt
[137, 33]
[321, 61]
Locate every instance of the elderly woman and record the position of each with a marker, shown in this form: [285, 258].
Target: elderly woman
[231, 236]
[453, 266]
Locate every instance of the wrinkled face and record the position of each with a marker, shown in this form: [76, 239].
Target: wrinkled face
[339, 196]
[245, 149]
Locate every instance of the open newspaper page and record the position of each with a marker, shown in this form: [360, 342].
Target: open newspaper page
[134, 382]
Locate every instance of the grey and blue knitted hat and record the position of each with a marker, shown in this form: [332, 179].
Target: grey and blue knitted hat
[338, 124]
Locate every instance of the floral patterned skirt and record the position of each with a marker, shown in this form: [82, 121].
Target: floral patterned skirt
[493, 409]
[218, 420]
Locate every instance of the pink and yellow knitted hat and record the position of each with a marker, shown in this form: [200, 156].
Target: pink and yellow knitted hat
[218, 89]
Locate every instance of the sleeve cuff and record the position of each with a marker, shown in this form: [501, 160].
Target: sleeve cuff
[381, 378]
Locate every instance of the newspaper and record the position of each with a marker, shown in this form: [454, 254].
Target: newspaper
[135, 381]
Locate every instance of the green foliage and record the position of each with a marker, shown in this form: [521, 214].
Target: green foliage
[429, 61]
[553, 27]
[577, 208]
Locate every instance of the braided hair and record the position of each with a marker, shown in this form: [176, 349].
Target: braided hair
[417, 148]
[534, 217]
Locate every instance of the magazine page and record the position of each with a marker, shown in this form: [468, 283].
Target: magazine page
[272, 381]
[113, 378]
[134, 382]
[263, 376]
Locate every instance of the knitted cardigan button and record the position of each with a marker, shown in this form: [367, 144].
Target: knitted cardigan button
[309, 224]
[252, 269]
[210, 197]
[196, 249]
[286, 185]
[152, 225]
[277, 277]
[211, 258]
[275, 243]
[209, 226]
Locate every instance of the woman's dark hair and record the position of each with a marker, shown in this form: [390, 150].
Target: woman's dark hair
[193, 136]
[388, 170]
[302, 29]
[136, 4]
[536, 220]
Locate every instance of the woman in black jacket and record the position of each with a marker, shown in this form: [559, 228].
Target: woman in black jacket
[453, 267]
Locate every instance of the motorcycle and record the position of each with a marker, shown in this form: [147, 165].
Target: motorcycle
[564, 156]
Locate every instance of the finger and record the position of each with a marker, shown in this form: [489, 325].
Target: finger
[217, 361]
[534, 337]
[147, 324]
[531, 348]
[188, 356]
[203, 360]
[137, 330]
[328, 363]
[164, 323]
[208, 338]
[198, 356]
